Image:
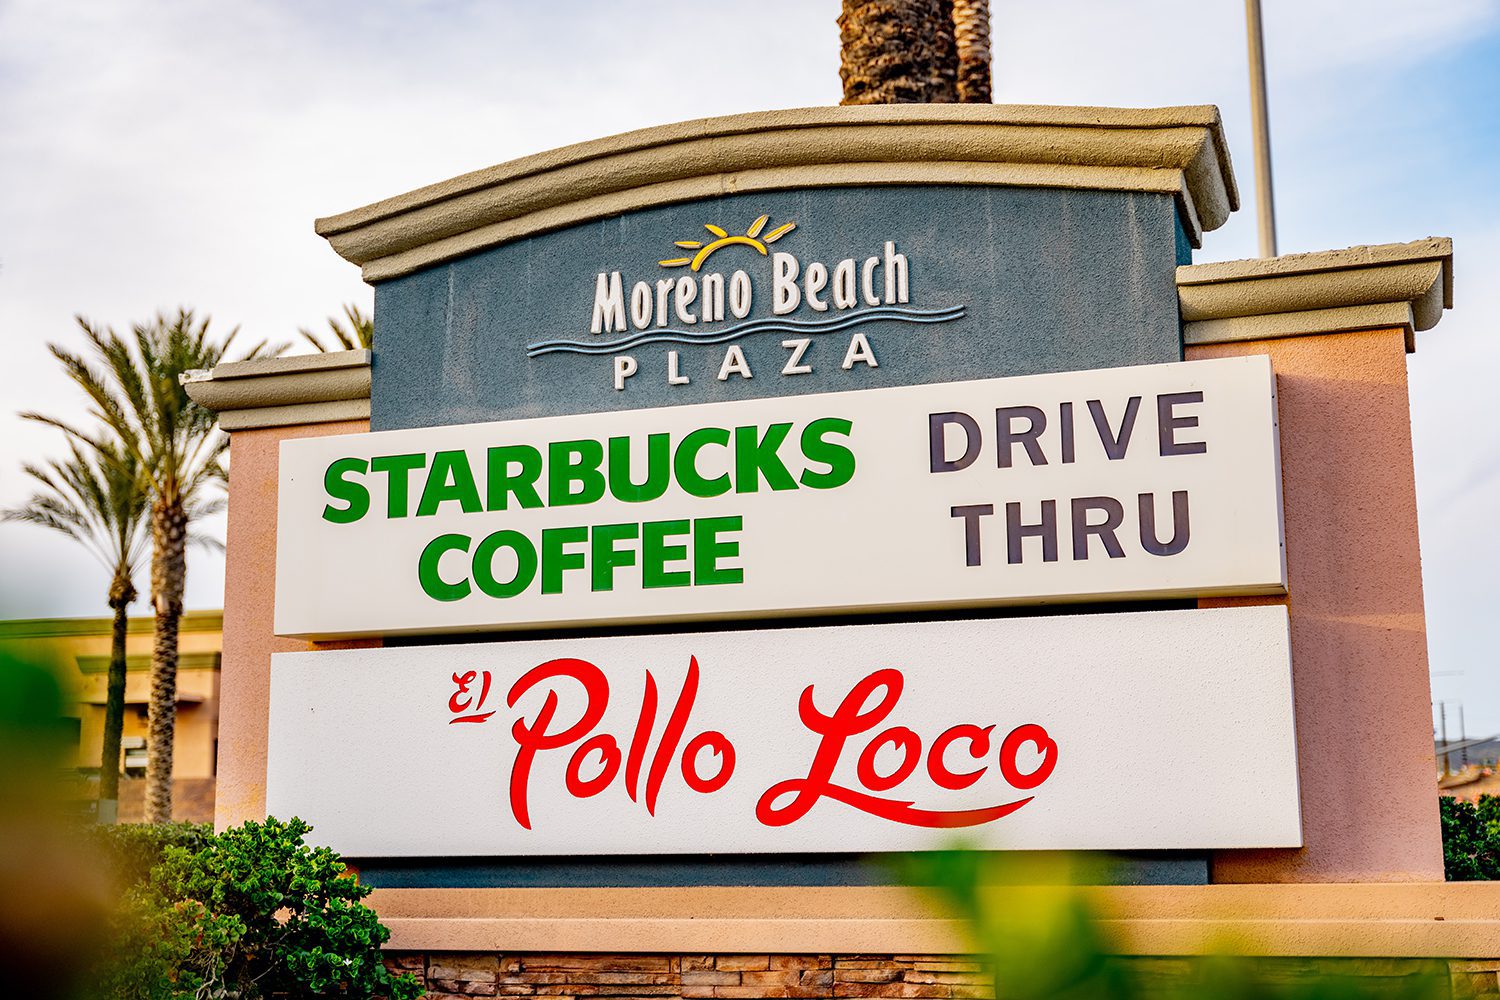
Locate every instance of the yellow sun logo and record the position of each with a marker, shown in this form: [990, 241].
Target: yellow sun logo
[752, 238]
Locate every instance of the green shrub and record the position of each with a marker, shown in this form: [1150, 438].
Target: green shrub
[252, 912]
[1471, 839]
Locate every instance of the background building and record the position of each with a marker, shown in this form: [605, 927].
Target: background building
[80, 648]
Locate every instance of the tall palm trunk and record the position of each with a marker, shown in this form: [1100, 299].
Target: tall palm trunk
[898, 52]
[971, 30]
[168, 576]
[121, 593]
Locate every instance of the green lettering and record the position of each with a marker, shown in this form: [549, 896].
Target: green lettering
[484, 563]
[569, 463]
[433, 585]
[605, 557]
[555, 560]
[708, 550]
[838, 457]
[686, 466]
[398, 470]
[756, 459]
[352, 493]
[450, 478]
[501, 483]
[658, 469]
[655, 553]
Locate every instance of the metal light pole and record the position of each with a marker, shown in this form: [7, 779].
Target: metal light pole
[1463, 736]
[1260, 123]
[1443, 717]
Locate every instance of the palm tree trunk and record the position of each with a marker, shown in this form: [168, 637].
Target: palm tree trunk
[944, 55]
[114, 704]
[971, 29]
[898, 52]
[168, 577]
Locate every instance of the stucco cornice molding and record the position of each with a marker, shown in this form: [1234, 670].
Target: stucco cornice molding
[1180, 151]
[282, 392]
[1366, 920]
[49, 628]
[1405, 285]
[141, 662]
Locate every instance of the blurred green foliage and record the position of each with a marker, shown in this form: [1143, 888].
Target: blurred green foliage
[54, 904]
[252, 912]
[32, 737]
[129, 851]
[1034, 921]
[1471, 838]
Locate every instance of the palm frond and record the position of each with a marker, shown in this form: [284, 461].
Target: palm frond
[356, 330]
[98, 496]
[207, 542]
[151, 428]
[106, 407]
[207, 506]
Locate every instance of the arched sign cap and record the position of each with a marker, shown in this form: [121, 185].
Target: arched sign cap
[1179, 151]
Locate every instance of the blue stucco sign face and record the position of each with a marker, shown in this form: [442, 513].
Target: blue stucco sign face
[781, 293]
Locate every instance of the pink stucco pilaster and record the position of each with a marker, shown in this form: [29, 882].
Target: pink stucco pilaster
[249, 606]
[1359, 640]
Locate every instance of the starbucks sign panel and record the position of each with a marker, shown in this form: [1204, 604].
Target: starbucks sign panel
[1148, 481]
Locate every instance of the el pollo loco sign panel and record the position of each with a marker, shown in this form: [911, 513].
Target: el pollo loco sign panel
[1078, 732]
[1152, 481]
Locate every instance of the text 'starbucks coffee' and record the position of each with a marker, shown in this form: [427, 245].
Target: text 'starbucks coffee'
[1119, 483]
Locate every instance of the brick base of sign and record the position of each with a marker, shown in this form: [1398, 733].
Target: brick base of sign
[696, 976]
[743, 977]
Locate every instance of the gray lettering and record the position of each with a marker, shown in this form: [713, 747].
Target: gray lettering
[1115, 445]
[1114, 513]
[1168, 423]
[971, 513]
[1180, 527]
[1036, 422]
[937, 440]
[1046, 530]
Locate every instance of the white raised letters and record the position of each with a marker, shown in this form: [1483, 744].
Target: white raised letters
[609, 304]
[625, 366]
[794, 365]
[734, 364]
[874, 282]
[859, 351]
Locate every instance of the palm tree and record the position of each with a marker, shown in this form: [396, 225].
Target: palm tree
[898, 52]
[137, 395]
[971, 30]
[99, 500]
[359, 333]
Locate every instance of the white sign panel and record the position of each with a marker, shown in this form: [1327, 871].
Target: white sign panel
[1153, 481]
[1146, 730]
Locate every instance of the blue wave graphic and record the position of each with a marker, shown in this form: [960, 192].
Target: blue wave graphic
[766, 324]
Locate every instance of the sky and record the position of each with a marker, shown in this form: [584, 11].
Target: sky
[160, 153]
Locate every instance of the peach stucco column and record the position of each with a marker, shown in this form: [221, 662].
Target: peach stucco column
[1359, 640]
[249, 606]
